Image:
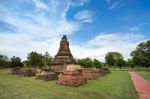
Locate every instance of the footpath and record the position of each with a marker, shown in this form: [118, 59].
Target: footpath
[141, 85]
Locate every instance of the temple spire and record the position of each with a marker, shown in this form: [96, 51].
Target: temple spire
[64, 55]
[64, 37]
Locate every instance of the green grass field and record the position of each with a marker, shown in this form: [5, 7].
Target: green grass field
[116, 85]
[145, 74]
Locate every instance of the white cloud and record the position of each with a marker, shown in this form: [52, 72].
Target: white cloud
[136, 28]
[21, 44]
[77, 2]
[114, 4]
[84, 16]
[40, 4]
[97, 47]
[108, 1]
[104, 42]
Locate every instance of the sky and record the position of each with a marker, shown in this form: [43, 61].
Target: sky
[93, 27]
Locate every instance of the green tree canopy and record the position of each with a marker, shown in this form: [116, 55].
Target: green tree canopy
[86, 62]
[120, 62]
[96, 63]
[114, 58]
[130, 63]
[4, 61]
[15, 62]
[35, 59]
[141, 55]
[89, 63]
[47, 59]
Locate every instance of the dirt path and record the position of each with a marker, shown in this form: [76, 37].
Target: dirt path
[142, 86]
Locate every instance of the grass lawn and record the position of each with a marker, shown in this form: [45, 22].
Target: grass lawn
[145, 74]
[116, 85]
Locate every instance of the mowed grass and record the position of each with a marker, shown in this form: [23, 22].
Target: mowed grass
[116, 85]
[145, 74]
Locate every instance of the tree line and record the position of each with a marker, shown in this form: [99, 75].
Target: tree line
[139, 57]
[34, 59]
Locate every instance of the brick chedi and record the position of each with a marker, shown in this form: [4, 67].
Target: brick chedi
[64, 55]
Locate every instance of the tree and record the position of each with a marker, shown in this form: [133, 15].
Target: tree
[4, 61]
[141, 55]
[120, 62]
[15, 62]
[47, 59]
[35, 59]
[130, 63]
[26, 63]
[80, 62]
[96, 63]
[111, 58]
[86, 62]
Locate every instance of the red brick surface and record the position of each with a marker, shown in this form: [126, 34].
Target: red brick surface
[142, 86]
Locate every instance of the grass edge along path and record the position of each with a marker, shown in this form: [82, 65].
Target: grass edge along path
[144, 74]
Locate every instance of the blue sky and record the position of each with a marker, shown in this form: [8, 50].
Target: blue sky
[93, 27]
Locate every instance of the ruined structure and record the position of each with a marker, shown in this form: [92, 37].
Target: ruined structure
[72, 78]
[47, 76]
[91, 74]
[104, 70]
[73, 67]
[15, 71]
[63, 57]
[65, 70]
[25, 72]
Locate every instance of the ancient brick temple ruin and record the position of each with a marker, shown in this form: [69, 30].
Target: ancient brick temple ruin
[63, 57]
[65, 64]
[72, 78]
[63, 69]
[66, 71]
[63, 60]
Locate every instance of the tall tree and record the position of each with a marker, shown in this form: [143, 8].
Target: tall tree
[88, 62]
[141, 55]
[35, 59]
[16, 62]
[114, 58]
[109, 59]
[80, 62]
[4, 61]
[130, 63]
[47, 59]
[120, 62]
[96, 63]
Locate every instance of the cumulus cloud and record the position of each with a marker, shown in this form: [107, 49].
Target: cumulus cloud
[84, 16]
[98, 46]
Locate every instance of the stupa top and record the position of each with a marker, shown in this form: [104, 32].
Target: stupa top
[64, 37]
